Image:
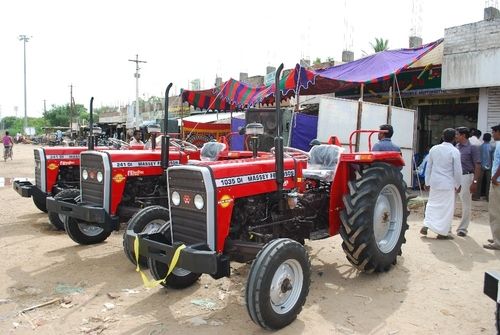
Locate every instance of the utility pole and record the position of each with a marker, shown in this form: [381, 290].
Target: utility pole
[44, 106]
[71, 110]
[137, 76]
[25, 39]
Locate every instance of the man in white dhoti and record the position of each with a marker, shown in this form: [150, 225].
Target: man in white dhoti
[443, 176]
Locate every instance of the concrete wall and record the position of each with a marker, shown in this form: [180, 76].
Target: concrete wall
[472, 55]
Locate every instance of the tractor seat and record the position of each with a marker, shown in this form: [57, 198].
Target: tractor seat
[211, 151]
[323, 162]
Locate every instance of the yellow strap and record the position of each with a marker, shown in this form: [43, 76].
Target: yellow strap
[149, 283]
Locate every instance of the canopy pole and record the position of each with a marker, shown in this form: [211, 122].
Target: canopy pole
[360, 113]
[389, 107]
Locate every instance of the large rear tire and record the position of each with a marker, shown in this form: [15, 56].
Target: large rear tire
[374, 220]
[84, 233]
[147, 220]
[40, 203]
[67, 195]
[278, 283]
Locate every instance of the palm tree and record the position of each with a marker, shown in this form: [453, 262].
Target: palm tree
[380, 44]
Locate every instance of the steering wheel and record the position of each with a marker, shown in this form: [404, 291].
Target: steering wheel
[290, 152]
[183, 145]
[119, 144]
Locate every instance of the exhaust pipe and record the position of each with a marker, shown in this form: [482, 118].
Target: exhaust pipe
[90, 141]
[165, 141]
[278, 140]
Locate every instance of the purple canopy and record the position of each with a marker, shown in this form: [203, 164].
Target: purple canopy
[376, 67]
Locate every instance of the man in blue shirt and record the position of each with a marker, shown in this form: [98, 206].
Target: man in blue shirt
[494, 204]
[385, 143]
[486, 150]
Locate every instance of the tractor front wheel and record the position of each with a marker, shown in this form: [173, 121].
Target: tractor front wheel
[147, 220]
[84, 233]
[67, 195]
[374, 220]
[178, 278]
[278, 283]
[40, 203]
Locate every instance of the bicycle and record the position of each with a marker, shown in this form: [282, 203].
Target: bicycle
[7, 152]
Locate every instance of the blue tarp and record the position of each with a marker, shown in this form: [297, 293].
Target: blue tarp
[237, 141]
[304, 128]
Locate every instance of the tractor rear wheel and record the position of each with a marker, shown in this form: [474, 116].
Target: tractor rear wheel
[278, 283]
[147, 220]
[374, 220]
[67, 195]
[40, 203]
[84, 233]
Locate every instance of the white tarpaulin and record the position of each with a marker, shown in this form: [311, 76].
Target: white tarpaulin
[339, 117]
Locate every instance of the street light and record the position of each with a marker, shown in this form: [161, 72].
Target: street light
[25, 39]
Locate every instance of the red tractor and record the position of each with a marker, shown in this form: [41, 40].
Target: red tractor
[115, 184]
[57, 173]
[263, 208]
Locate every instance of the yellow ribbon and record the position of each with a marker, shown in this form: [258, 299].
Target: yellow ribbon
[150, 283]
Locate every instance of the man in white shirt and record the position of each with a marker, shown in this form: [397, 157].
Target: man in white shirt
[475, 135]
[136, 139]
[443, 176]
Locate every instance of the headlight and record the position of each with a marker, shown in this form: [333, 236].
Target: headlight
[85, 174]
[100, 177]
[176, 198]
[198, 201]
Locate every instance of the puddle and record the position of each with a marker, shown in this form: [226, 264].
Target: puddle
[7, 182]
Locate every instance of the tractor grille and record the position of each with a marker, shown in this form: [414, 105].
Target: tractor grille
[92, 190]
[38, 169]
[189, 224]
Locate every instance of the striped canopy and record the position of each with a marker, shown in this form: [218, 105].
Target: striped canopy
[233, 94]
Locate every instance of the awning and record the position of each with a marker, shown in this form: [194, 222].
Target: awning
[233, 94]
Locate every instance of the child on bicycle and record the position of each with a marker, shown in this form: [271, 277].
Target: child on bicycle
[7, 146]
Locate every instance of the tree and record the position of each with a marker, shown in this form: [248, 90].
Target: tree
[59, 116]
[380, 44]
[317, 61]
[15, 124]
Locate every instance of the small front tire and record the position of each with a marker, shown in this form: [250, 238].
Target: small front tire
[40, 203]
[85, 233]
[178, 278]
[278, 283]
[67, 195]
[147, 220]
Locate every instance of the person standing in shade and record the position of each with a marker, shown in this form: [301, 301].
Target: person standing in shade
[443, 176]
[471, 170]
[494, 204]
[385, 142]
[483, 185]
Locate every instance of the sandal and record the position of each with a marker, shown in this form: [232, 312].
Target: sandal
[444, 237]
[423, 231]
[491, 246]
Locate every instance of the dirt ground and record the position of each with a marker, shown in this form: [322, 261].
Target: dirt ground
[436, 287]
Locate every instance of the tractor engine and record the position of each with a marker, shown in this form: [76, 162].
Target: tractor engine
[144, 191]
[259, 219]
[68, 177]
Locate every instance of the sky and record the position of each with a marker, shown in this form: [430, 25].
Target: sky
[87, 44]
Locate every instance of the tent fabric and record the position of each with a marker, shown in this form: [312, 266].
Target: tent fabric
[234, 94]
[380, 66]
[303, 130]
[376, 67]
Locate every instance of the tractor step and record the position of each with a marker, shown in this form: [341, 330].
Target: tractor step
[319, 234]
